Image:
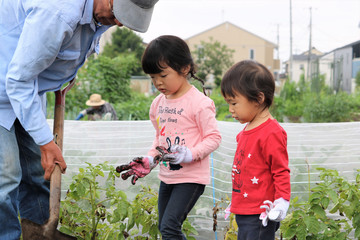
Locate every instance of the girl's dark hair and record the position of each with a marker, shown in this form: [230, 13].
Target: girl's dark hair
[168, 50]
[249, 78]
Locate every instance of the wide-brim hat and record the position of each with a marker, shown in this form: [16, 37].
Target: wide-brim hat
[95, 100]
[134, 14]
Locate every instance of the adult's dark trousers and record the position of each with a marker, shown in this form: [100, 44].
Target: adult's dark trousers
[250, 228]
[174, 204]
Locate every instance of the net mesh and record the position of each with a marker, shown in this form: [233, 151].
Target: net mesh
[310, 145]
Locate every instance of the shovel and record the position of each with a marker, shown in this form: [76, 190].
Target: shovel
[48, 231]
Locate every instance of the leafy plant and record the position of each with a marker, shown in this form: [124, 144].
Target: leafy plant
[95, 209]
[316, 103]
[331, 212]
[357, 79]
[222, 108]
[136, 108]
[232, 230]
[327, 107]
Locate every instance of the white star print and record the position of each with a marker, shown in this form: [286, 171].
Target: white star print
[245, 195]
[254, 180]
[249, 156]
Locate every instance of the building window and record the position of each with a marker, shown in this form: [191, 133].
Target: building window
[252, 54]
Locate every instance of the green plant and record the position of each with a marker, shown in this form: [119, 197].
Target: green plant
[136, 108]
[327, 107]
[145, 213]
[357, 79]
[277, 108]
[222, 108]
[315, 103]
[291, 100]
[94, 209]
[232, 229]
[331, 212]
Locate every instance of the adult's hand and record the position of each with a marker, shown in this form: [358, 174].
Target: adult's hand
[51, 155]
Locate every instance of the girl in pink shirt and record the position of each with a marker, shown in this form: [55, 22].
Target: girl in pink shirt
[185, 124]
[260, 173]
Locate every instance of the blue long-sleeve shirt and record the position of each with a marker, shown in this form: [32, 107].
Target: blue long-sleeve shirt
[43, 43]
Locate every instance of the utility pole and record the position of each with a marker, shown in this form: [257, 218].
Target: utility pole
[291, 55]
[278, 42]
[310, 48]
[278, 55]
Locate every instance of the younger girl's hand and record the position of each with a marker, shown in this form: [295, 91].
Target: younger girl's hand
[179, 154]
[278, 213]
[264, 216]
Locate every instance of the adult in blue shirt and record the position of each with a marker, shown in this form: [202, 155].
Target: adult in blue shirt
[43, 44]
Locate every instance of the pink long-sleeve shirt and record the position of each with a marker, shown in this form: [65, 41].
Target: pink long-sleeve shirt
[190, 121]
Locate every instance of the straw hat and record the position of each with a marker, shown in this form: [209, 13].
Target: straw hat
[95, 100]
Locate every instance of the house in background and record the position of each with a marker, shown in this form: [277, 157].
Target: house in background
[302, 64]
[246, 44]
[339, 66]
[326, 66]
[346, 64]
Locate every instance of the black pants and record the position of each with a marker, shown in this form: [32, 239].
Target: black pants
[251, 228]
[175, 202]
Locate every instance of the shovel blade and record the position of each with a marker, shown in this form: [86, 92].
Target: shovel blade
[32, 231]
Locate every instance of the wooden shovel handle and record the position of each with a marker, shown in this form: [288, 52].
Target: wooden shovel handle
[55, 179]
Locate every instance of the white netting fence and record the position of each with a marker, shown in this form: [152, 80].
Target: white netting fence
[328, 145]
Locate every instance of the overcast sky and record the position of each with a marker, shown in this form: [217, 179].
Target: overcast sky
[335, 23]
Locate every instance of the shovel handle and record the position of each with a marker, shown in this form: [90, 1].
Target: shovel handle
[55, 179]
[60, 113]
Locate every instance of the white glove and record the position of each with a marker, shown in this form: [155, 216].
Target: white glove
[278, 213]
[227, 212]
[264, 216]
[179, 154]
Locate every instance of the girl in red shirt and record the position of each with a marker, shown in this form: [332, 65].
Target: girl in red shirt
[260, 174]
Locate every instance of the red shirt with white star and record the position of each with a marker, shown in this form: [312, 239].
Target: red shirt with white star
[260, 169]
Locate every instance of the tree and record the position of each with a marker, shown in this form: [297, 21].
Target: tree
[125, 41]
[109, 77]
[213, 58]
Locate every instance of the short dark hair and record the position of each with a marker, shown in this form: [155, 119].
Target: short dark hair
[249, 78]
[169, 50]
